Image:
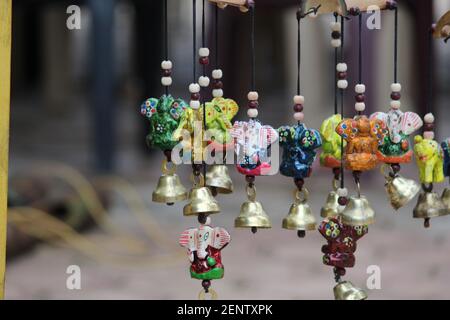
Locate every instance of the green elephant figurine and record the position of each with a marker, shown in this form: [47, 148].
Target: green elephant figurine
[331, 154]
[430, 160]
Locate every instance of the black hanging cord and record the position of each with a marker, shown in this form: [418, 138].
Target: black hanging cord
[299, 50]
[429, 106]
[216, 36]
[252, 15]
[166, 39]
[204, 74]
[360, 49]
[342, 101]
[335, 73]
[396, 45]
[194, 41]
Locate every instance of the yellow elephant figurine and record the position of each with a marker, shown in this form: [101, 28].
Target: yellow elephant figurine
[331, 147]
[430, 160]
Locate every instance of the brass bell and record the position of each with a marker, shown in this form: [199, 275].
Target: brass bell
[446, 198]
[358, 212]
[252, 214]
[300, 216]
[345, 290]
[169, 188]
[201, 200]
[428, 206]
[331, 207]
[401, 190]
[217, 177]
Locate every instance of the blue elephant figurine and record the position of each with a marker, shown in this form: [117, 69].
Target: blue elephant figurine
[299, 150]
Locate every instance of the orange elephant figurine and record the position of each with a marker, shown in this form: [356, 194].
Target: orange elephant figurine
[363, 137]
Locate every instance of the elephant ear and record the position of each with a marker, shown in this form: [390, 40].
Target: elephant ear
[228, 107]
[177, 109]
[347, 129]
[285, 134]
[188, 239]
[328, 127]
[148, 107]
[378, 130]
[310, 139]
[379, 116]
[220, 238]
[411, 122]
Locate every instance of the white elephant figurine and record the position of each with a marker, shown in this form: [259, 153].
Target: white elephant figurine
[204, 245]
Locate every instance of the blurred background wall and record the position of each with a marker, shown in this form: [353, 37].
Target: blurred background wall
[76, 97]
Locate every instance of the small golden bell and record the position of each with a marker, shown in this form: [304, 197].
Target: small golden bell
[345, 290]
[446, 198]
[300, 216]
[428, 206]
[217, 177]
[201, 200]
[401, 190]
[358, 212]
[331, 207]
[169, 188]
[252, 214]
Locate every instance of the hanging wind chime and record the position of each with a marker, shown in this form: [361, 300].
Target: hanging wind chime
[299, 152]
[164, 115]
[431, 159]
[395, 148]
[252, 147]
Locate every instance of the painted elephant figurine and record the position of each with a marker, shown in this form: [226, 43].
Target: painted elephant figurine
[204, 245]
[396, 147]
[430, 160]
[363, 137]
[446, 149]
[299, 150]
[164, 115]
[252, 142]
[331, 145]
[341, 238]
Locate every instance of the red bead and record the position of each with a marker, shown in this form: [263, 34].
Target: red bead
[342, 75]
[360, 97]
[204, 61]
[396, 95]
[253, 104]
[298, 108]
[342, 201]
[335, 34]
[250, 179]
[195, 96]
[167, 72]
[217, 84]
[299, 182]
[428, 126]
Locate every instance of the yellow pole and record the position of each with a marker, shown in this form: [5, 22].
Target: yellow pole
[5, 77]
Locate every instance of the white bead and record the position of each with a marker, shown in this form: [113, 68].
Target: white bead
[252, 113]
[299, 116]
[335, 26]
[396, 87]
[166, 81]
[342, 84]
[429, 118]
[166, 65]
[252, 96]
[342, 192]
[360, 88]
[299, 100]
[217, 93]
[194, 88]
[395, 104]
[336, 43]
[360, 106]
[341, 67]
[217, 74]
[194, 104]
[203, 81]
[429, 135]
[203, 52]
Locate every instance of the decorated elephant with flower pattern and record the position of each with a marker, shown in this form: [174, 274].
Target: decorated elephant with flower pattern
[299, 150]
[430, 160]
[164, 115]
[204, 245]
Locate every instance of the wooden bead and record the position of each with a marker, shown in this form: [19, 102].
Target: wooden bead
[217, 93]
[203, 52]
[217, 74]
[167, 72]
[166, 65]
[428, 127]
[396, 87]
[342, 201]
[195, 96]
[253, 104]
[396, 95]
[336, 35]
[252, 95]
[299, 116]
[166, 81]
[360, 88]
[298, 108]
[204, 61]
[217, 84]
[429, 118]
[299, 99]
[194, 88]
[360, 97]
[342, 75]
